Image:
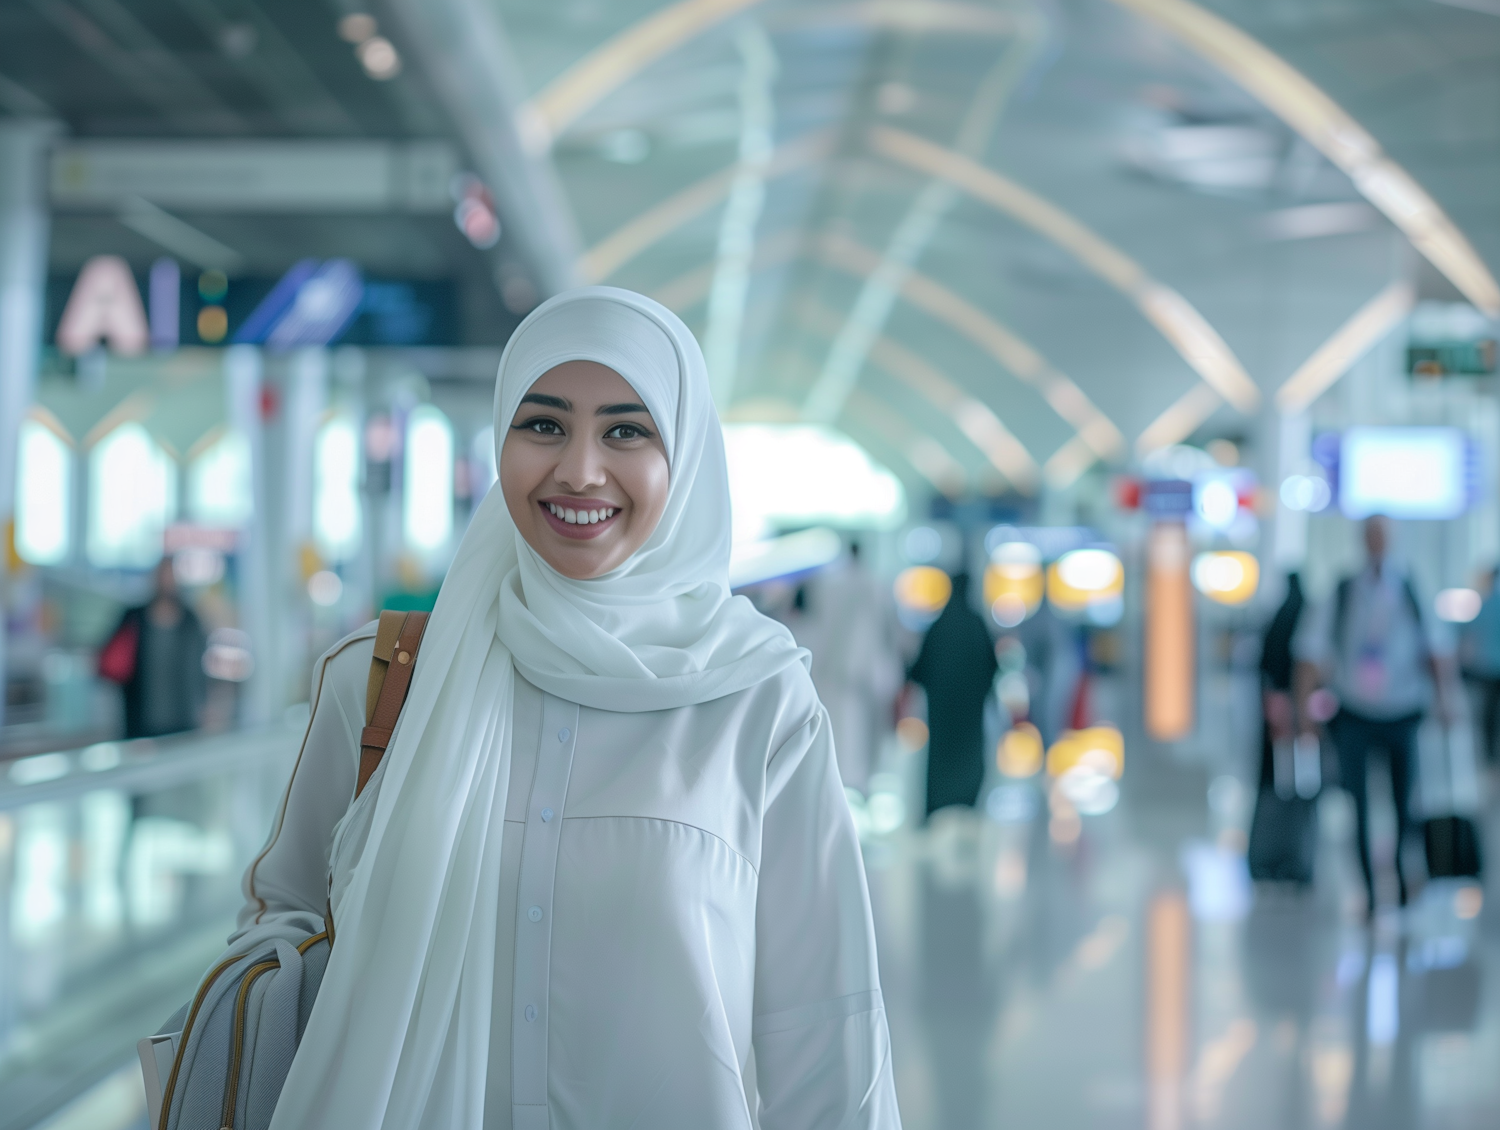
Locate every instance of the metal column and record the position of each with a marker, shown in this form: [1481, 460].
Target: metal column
[23, 278]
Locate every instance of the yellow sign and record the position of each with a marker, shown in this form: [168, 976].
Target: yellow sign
[1099, 748]
[923, 589]
[1013, 582]
[1080, 578]
[1020, 751]
[1229, 576]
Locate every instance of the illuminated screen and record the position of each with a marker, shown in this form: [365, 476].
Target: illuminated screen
[1403, 472]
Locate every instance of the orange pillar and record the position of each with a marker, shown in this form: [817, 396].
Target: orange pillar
[1171, 673]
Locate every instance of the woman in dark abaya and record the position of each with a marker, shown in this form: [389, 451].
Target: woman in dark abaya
[956, 667]
[1276, 677]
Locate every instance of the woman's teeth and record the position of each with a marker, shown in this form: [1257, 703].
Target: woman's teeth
[580, 517]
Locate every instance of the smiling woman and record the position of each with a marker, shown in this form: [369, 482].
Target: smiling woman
[607, 851]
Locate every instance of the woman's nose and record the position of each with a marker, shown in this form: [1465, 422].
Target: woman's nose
[580, 466]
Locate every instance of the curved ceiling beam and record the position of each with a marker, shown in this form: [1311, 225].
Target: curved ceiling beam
[635, 236]
[1174, 317]
[1365, 329]
[975, 419]
[923, 453]
[1017, 356]
[546, 116]
[1097, 437]
[1298, 102]
[1180, 420]
[543, 118]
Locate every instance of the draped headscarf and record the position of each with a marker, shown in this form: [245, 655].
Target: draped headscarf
[399, 1036]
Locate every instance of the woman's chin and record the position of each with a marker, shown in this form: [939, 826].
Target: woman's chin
[578, 561]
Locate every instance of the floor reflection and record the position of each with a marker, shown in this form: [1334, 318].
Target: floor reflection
[1133, 977]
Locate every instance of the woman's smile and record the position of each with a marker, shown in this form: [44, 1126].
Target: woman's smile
[579, 517]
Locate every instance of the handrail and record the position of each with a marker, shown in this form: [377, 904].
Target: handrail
[142, 765]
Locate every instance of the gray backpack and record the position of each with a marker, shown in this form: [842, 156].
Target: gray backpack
[221, 1060]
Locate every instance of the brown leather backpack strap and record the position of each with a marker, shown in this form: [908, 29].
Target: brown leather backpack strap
[403, 660]
[380, 660]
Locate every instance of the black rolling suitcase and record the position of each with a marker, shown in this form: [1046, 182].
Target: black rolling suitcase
[1284, 830]
[1283, 839]
[1450, 794]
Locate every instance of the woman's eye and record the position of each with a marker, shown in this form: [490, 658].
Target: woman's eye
[626, 431]
[541, 426]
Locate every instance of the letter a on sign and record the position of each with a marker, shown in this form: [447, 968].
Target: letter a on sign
[105, 305]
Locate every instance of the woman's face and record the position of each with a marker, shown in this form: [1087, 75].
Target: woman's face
[584, 469]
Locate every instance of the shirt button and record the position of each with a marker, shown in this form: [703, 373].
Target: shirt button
[530, 1012]
[535, 914]
[564, 734]
[546, 815]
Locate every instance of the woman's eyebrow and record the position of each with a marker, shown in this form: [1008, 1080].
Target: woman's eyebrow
[547, 401]
[620, 409]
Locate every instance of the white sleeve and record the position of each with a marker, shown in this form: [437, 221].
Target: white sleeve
[822, 1049]
[286, 885]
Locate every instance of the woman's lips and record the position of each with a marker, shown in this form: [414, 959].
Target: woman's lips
[579, 530]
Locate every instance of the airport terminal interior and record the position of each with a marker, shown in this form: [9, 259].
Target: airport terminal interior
[1110, 406]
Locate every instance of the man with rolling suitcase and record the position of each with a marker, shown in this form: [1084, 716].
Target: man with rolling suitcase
[1373, 647]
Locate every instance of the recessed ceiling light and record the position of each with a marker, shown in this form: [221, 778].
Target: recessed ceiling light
[379, 58]
[357, 27]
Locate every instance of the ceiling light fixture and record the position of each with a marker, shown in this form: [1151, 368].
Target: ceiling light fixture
[1292, 97]
[1173, 315]
[1351, 341]
[357, 27]
[379, 58]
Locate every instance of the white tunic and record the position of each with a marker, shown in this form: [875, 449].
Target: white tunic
[681, 885]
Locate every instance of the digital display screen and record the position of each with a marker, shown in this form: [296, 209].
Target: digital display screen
[1404, 472]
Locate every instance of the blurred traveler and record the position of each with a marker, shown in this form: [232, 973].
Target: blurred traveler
[677, 855]
[1276, 671]
[1481, 660]
[956, 667]
[156, 655]
[1372, 647]
[1283, 833]
[1054, 652]
[847, 621]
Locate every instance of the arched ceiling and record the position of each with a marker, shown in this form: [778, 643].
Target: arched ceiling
[1094, 232]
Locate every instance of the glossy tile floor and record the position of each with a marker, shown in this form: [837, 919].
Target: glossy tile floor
[1130, 977]
[1120, 972]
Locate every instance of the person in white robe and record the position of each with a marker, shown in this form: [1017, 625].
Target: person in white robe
[605, 875]
[848, 623]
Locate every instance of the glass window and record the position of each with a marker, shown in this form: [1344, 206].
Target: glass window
[803, 475]
[428, 506]
[483, 452]
[336, 511]
[132, 497]
[44, 484]
[219, 488]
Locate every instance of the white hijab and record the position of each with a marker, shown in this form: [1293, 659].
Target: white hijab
[399, 1038]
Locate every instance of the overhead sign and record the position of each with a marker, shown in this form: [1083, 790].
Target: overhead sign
[312, 304]
[104, 306]
[256, 175]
